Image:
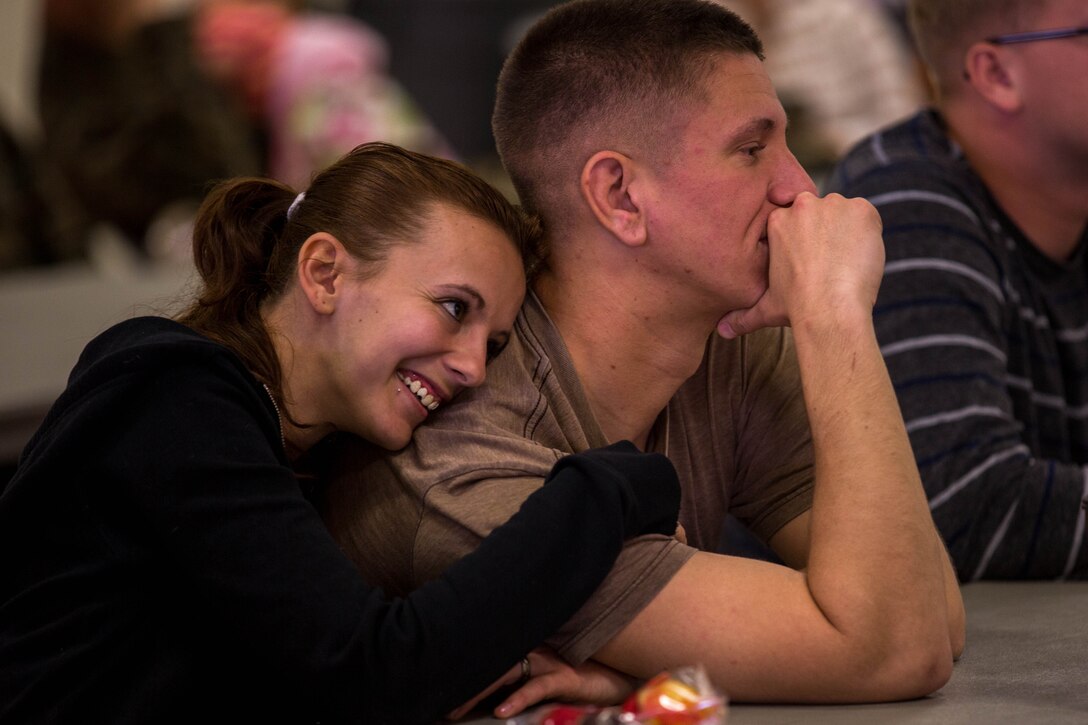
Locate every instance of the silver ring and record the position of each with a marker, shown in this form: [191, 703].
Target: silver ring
[526, 669]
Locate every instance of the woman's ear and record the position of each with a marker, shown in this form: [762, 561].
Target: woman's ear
[610, 186]
[993, 73]
[320, 275]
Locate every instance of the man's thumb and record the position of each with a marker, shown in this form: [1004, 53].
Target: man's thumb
[733, 324]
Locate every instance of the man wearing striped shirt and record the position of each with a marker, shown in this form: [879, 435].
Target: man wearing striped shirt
[982, 316]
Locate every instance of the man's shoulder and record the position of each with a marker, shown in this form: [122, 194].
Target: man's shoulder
[916, 151]
[404, 516]
[931, 201]
[532, 399]
[529, 413]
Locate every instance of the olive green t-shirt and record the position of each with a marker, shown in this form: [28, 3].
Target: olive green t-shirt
[736, 431]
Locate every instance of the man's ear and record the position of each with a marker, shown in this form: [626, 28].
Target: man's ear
[994, 75]
[609, 185]
[321, 260]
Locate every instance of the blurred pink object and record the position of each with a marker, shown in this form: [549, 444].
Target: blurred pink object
[238, 43]
[317, 83]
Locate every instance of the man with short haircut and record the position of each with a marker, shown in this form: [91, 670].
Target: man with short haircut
[647, 136]
[983, 312]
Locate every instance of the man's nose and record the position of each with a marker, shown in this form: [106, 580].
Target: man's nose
[790, 181]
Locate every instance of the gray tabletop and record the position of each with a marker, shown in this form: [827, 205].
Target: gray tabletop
[1026, 661]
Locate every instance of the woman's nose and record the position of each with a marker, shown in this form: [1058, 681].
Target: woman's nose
[468, 363]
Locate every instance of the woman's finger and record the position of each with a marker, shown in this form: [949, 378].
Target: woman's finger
[512, 676]
[540, 687]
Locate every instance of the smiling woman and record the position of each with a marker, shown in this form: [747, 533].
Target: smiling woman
[171, 563]
[383, 349]
[391, 264]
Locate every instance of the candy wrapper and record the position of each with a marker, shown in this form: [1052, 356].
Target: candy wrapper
[683, 696]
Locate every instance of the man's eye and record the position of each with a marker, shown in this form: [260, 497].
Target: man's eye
[754, 150]
[456, 308]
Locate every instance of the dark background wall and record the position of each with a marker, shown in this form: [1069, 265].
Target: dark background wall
[448, 54]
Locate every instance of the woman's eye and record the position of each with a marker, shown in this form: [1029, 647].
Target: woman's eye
[456, 308]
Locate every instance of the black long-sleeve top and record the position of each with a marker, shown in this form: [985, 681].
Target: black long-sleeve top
[159, 561]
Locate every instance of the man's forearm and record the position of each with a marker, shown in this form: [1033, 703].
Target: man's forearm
[876, 566]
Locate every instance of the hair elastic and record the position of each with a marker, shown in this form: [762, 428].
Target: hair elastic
[294, 204]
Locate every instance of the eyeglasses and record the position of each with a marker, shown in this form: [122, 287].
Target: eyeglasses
[1032, 35]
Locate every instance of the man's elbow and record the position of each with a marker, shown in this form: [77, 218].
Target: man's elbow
[958, 638]
[929, 670]
[957, 617]
[913, 668]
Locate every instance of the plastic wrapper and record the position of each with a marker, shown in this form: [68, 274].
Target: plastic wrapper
[683, 696]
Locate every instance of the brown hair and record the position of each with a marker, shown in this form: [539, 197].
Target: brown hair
[595, 74]
[246, 244]
[943, 30]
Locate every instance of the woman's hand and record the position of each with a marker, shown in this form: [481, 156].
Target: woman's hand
[553, 679]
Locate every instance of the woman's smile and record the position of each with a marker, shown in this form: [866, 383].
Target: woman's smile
[425, 392]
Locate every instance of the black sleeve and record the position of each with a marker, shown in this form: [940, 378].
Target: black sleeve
[239, 531]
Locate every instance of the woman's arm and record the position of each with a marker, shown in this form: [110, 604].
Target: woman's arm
[236, 524]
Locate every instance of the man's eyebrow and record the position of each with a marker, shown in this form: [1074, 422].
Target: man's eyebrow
[757, 126]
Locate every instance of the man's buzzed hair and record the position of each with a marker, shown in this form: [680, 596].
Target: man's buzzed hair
[595, 74]
[943, 30]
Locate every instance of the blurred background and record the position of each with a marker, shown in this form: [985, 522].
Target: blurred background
[116, 116]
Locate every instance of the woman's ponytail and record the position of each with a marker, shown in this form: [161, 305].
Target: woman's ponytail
[237, 233]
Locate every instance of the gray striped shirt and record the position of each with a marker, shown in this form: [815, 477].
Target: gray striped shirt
[986, 340]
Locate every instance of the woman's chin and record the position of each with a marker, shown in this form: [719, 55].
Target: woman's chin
[392, 433]
[399, 425]
[395, 440]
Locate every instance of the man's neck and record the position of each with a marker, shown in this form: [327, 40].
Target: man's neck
[1046, 197]
[630, 358]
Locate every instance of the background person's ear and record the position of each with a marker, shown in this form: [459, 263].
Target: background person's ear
[609, 184]
[993, 72]
[320, 275]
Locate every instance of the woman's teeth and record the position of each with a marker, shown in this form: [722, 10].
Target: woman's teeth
[425, 398]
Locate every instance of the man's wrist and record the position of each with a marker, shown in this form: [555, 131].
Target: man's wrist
[832, 322]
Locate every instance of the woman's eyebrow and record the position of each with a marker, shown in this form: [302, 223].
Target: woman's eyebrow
[471, 292]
